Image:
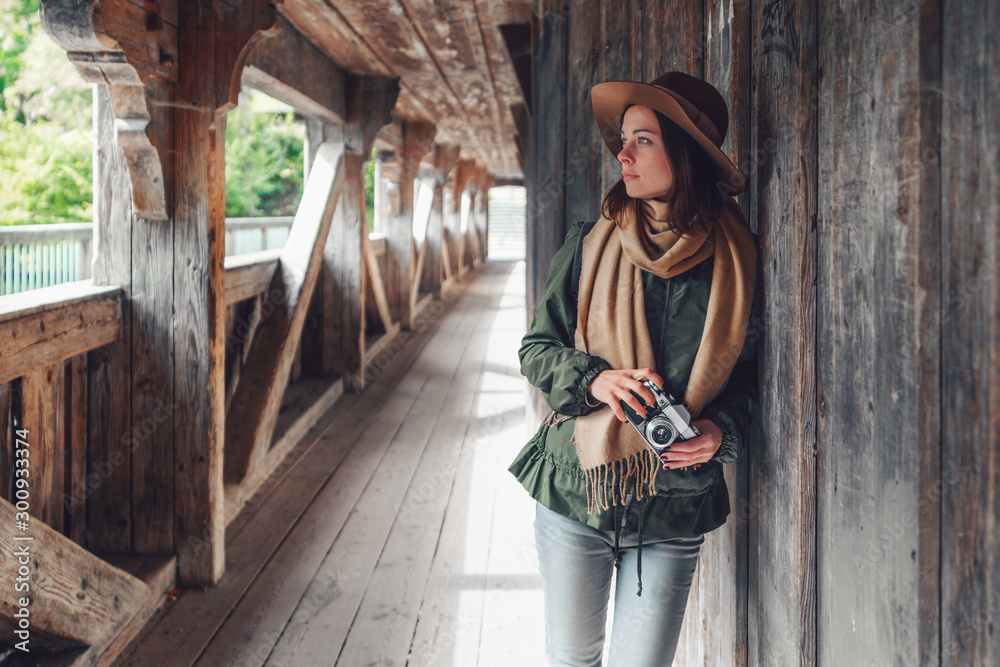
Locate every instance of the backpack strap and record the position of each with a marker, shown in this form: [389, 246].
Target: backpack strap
[574, 286]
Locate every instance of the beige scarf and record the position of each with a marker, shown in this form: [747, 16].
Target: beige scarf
[611, 324]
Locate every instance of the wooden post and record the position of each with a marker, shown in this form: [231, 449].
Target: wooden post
[782, 613]
[464, 170]
[443, 161]
[417, 140]
[213, 43]
[483, 215]
[369, 101]
[970, 331]
[721, 620]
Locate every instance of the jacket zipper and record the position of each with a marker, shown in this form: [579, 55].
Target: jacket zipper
[663, 329]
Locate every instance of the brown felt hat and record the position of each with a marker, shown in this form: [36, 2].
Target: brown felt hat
[695, 105]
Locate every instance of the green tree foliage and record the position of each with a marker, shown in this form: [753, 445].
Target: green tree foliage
[45, 128]
[18, 21]
[263, 160]
[370, 191]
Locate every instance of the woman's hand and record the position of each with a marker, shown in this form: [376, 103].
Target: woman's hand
[613, 386]
[696, 450]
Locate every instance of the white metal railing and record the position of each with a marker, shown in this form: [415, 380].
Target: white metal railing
[33, 256]
[245, 235]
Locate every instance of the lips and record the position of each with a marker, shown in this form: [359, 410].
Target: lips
[626, 176]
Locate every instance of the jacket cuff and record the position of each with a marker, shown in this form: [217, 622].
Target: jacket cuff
[727, 450]
[581, 389]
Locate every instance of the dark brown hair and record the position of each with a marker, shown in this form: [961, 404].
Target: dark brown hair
[694, 197]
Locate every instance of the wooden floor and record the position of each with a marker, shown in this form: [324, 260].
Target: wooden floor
[394, 535]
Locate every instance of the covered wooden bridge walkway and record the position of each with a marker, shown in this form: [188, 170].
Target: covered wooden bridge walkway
[392, 534]
[205, 423]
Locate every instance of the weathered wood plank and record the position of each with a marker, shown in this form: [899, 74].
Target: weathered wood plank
[877, 387]
[213, 45]
[320, 620]
[545, 223]
[39, 406]
[54, 323]
[158, 572]
[250, 274]
[617, 42]
[377, 285]
[583, 152]
[455, 35]
[722, 592]
[382, 628]
[782, 594]
[970, 333]
[76, 486]
[433, 263]
[418, 274]
[150, 437]
[74, 596]
[272, 597]
[108, 501]
[6, 441]
[288, 67]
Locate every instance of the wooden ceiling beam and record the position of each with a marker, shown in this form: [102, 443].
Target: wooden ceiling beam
[290, 68]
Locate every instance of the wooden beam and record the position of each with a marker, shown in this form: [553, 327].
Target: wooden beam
[782, 586]
[288, 67]
[47, 325]
[417, 141]
[215, 40]
[378, 287]
[124, 245]
[76, 486]
[250, 274]
[73, 597]
[254, 409]
[43, 414]
[969, 324]
[418, 273]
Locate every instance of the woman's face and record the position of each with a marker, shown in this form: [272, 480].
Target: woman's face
[646, 169]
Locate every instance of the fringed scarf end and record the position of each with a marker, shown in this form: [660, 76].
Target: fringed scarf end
[607, 483]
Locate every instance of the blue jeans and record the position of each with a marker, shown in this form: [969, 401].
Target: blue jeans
[576, 563]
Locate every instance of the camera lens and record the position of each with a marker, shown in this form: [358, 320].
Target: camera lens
[661, 432]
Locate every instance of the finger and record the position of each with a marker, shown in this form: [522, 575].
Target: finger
[651, 375]
[617, 409]
[634, 403]
[644, 393]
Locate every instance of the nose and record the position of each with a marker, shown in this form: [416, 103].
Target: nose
[625, 155]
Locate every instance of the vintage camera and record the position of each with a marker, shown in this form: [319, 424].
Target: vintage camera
[666, 422]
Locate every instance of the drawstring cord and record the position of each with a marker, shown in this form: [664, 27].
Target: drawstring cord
[638, 559]
[618, 553]
[619, 528]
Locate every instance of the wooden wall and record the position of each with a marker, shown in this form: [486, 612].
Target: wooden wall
[864, 512]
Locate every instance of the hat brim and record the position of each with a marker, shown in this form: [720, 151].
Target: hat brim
[609, 100]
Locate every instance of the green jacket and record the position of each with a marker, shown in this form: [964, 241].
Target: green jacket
[688, 502]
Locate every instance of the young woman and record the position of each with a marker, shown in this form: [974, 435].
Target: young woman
[659, 289]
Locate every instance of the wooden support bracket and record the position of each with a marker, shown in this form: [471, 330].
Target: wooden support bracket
[253, 413]
[73, 597]
[109, 43]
